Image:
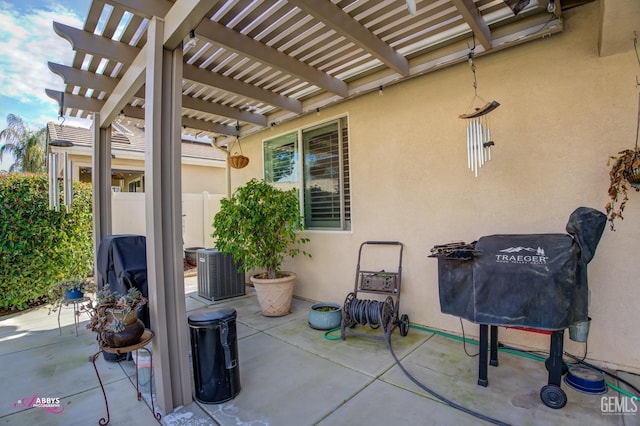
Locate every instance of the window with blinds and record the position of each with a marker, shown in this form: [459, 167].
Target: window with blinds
[324, 189]
[281, 159]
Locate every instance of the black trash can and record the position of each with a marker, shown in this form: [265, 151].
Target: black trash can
[214, 352]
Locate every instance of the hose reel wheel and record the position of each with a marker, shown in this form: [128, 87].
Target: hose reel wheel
[347, 320]
[387, 313]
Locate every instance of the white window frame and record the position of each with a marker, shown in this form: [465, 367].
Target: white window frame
[299, 184]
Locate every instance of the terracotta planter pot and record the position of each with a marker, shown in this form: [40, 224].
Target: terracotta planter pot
[275, 295]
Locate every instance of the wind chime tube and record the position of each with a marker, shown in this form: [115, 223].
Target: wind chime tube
[472, 125]
[53, 186]
[489, 146]
[487, 138]
[475, 148]
[50, 169]
[469, 146]
[65, 162]
[481, 144]
[70, 184]
[67, 179]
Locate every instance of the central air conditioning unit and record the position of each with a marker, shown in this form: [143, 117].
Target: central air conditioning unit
[218, 275]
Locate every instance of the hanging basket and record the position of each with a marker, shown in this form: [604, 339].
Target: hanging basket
[633, 177]
[238, 161]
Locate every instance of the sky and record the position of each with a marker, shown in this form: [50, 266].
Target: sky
[27, 42]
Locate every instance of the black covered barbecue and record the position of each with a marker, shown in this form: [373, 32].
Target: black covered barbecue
[121, 262]
[532, 280]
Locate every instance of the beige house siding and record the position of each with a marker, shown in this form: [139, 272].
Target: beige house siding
[564, 110]
[203, 166]
[204, 178]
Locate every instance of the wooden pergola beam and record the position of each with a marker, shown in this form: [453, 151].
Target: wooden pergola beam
[212, 79]
[333, 17]
[473, 18]
[95, 105]
[86, 42]
[221, 35]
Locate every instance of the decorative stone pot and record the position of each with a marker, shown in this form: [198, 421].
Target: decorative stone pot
[274, 295]
[325, 316]
[133, 329]
[191, 255]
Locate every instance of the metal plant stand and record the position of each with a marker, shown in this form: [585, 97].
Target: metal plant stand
[78, 302]
[147, 336]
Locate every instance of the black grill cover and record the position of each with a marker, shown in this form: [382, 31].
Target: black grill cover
[531, 280]
[122, 263]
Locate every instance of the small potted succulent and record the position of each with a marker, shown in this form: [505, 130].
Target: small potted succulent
[68, 291]
[113, 316]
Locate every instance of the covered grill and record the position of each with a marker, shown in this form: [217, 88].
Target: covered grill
[121, 262]
[534, 280]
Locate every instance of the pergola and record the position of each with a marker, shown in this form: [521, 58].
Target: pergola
[226, 69]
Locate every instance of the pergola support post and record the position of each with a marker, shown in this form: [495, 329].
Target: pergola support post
[163, 210]
[101, 184]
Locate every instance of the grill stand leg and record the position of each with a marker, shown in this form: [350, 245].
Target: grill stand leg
[555, 358]
[484, 341]
[493, 360]
[551, 394]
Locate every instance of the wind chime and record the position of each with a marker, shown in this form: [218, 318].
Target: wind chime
[479, 140]
[67, 171]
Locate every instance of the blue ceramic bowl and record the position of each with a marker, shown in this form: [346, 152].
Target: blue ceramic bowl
[325, 316]
[587, 380]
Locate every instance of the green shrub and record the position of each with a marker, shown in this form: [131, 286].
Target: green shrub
[38, 247]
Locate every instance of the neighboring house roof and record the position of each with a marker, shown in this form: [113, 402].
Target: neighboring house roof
[129, 141]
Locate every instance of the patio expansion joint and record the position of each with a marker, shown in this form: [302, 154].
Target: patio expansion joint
[348, 399]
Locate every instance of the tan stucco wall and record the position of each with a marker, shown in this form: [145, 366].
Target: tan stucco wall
[203, 178]
[564, 111]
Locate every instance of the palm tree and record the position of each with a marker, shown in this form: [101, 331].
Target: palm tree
[27, 146]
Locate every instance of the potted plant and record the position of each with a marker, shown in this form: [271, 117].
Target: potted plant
[68, 291]
[259, 227]
[113, 316]
[325, 315]
[625, 172]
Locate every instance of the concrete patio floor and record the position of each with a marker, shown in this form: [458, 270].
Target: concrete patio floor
[290, 375]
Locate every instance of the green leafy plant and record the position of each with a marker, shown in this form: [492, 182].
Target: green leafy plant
[259, 226]
[40, 248]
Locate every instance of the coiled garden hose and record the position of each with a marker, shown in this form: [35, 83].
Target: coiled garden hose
[367, 312]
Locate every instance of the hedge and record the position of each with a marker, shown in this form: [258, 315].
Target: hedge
[39, 247]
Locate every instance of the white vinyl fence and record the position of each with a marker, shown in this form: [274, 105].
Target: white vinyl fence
[127, 209]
